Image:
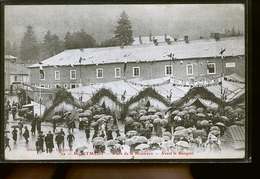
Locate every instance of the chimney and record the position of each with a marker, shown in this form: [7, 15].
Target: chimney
[150, 36]
[186, 38]
[217, 37]
[140, 39]
[165, 37]
[155, 41]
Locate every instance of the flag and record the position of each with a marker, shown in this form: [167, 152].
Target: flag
[41, 71]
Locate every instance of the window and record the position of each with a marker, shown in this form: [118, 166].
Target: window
[65, 86]
[136, 71]
[49, 86]
[15, 78]
[57, 85]
[99, 73]
[117, 73]
[211, 68]
[168, 70]
[43, 85]
[57, 75]
[42, 76]
[189, 69]
[72, 74]
[72, 86]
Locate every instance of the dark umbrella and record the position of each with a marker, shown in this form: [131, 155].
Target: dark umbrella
[220, 124]
[167, 134]
[143, 118]
[98, 138]
[179, 128]
[111, 142]
[129, 142]
[80, 110]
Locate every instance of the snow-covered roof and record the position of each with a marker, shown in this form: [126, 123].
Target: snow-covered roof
[146, 39]
[147, 52]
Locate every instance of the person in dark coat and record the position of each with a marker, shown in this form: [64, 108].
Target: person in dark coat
[63, 134]
[49, 142]
[20, 124]
[26, 134]
[54, 125]
[87, 132]
[59, 141]
[14, 109]
[71, 125]
[70, 139]
[39, 125]
[14, 133]
[109, 134]
[33, 124]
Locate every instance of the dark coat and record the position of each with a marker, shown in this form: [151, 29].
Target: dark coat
[49, 141]
[26, 133]
[59, 139]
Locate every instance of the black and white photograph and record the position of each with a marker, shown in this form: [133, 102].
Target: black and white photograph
[125, 82]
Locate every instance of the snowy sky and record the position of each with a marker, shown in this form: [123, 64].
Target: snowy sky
[100, 20]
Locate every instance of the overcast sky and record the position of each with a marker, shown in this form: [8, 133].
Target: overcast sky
[100, 20]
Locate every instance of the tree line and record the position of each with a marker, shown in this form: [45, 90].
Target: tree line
[32, 51]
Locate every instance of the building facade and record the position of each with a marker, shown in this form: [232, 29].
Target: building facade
[92, 66]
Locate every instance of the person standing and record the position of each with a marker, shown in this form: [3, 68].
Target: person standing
[20, 124]
[26, 134]
[14, 133]
[33, 124]
[87, 132]
[59, 141]
[14, 109]
[7, 142]
[39, 125]
[70, 139]
[54, 125]
[49, 142]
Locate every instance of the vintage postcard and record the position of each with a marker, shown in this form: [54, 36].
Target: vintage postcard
[125, 82]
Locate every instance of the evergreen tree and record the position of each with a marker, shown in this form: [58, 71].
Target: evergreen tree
[29, 48]
[124, 31]
[68, 41]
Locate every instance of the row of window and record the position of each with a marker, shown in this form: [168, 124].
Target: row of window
[211, 69]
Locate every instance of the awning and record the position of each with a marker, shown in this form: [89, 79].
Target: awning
[234, 78]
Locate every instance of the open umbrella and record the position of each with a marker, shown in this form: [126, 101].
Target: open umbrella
[87, 113]
[142, 111]
[111, 142]
[200, 110]
[214, 128]
[164, 121]
[166, 138]
[120, 138]
[141, 139]
[133, 113]
[204, 123]
[67, 113]
[156, 140]
[142, 146]
[96, 116]
[101, 120]
[158, 114]
[81, 148]
[132, 132]
[200, 115]
[175, 112]
[143, 118]
[129, 118]
[183, 144]
[181, 113]
[239, 123]
[84, 119]
[98, 142]
[151, 110]
[179, 134]
[94, 124]
[134, 138]
[200, 133]
[167, 144]
[98, 138]
[193, 111]
[157, 120]
[82, 115]
[153, 117]
[167, 134]
[179, 128]
[220, 124]
[129, 142]
[80, 110]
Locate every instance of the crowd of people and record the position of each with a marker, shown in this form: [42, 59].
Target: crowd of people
[193, 129]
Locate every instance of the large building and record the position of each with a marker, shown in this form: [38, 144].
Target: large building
[178, 59]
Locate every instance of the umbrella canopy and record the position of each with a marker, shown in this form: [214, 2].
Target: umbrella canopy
[153, 117]
[193, 111]
[94, 124]
[179, 128]
[142, 146]
[167, 134]
[157, 120]
[175, 112]
[82, 115]
[101, 120]
[220, 124]
[120, 138]
[164, 121]
[200, 115]
[111, 142]
[81, 148]
[179, 134]
[166, 138]
[151, 110]
[183, 144]
[129, 142]
[129, 118]
[80, 110]
[200, 110]
[204, 123]
[200, 133]
[142, 111]
[156, 140]
[67, 113]
[214, 128]
[133, 113]
[98, 138]
[181, 113]
[87, 113]
[98, 142]
[167, 144]
[56, 117]
[143, 118]
[132, 132]
[134, 138]
[158, 114]
[141, 139]
[84, 119]
[96, 116]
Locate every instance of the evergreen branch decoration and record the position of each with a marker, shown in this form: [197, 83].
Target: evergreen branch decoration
[203, 93]
[104, 92]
